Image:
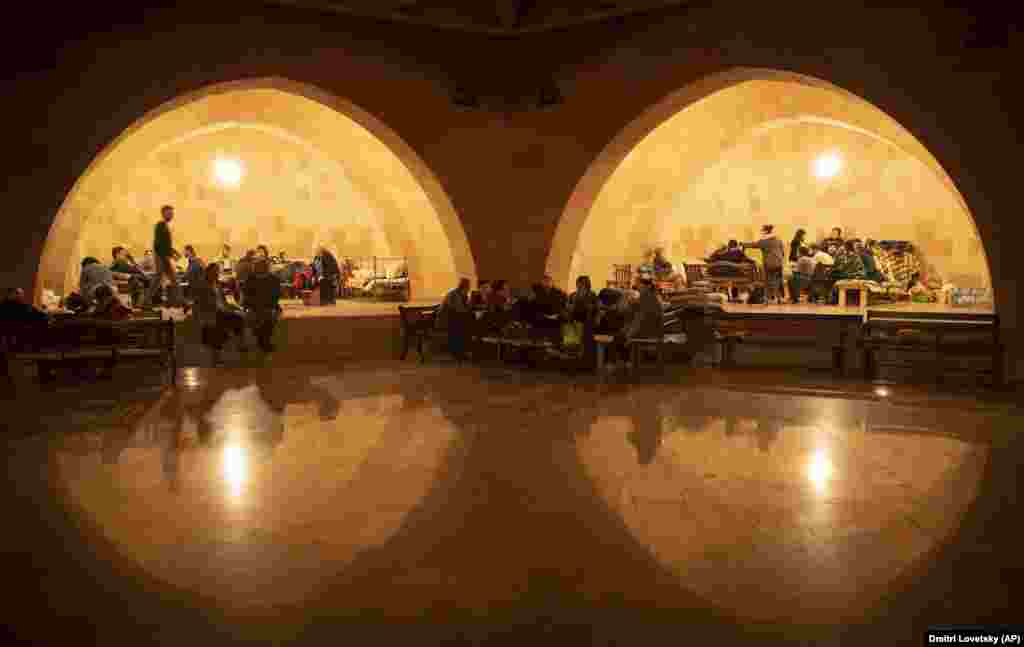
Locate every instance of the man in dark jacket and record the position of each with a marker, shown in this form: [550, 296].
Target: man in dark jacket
[164, 255]
[455, 316]
[262, 294]
[646, 315]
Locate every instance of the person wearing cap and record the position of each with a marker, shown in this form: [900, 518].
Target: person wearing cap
[774, 252]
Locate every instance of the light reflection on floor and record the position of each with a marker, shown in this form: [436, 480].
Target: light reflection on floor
[829, 513]
[254, 504]
[405, 490]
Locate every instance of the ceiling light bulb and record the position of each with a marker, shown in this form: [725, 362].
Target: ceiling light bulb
[228, 172]
[827, 166]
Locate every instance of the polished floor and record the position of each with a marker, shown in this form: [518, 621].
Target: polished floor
[442, 504]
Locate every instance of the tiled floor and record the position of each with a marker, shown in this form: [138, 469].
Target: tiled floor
[390, 501]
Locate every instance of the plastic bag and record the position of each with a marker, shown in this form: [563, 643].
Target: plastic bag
[572, 333]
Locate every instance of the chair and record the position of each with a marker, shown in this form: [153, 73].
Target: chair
[623, 277]
[694, 273]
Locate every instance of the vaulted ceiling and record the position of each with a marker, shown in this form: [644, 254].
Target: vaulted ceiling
[496, 17]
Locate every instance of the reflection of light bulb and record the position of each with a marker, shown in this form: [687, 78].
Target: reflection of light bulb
[228, 172]
[819, 471]
[882, 392]
[827, 166]
[235, 466]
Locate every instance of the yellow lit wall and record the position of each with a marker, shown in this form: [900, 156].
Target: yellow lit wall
[744, 156]
[311, 177]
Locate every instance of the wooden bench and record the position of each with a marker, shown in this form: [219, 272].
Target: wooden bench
[419, 325]
[505, 343]
[76, 341]
[956, 336]
[672, 337]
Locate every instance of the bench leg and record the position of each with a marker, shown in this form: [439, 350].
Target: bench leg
[729, 353]
[405, 347]
[600, 357]
[419, 348]
[998, 369]
[869, 364]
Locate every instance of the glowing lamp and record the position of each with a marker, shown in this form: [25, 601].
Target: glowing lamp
[828, 166]
[228, 172]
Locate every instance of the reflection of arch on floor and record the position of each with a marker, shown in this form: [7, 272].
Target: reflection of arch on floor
[405, 171]
[564, 246]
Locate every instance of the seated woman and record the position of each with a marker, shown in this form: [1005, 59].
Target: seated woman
[867, 257]
[218, 320]
[848, 266]
[848, 263]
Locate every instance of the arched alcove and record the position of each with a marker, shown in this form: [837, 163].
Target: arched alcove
[317, 170]
[732, 151]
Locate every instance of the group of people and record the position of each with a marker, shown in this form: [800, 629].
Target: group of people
[843, 259]
[546, 312]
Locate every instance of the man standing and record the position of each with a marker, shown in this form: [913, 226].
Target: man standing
[801, 274]
[164, 255]
[774, 252]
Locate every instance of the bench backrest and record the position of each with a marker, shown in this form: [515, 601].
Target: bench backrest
[151, 332]
[417, 317]
[935, 322]
[878, 316]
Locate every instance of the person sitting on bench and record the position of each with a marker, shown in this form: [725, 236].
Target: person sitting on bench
[455, 317]
[646, 317]
[217, 319]
[138, 282]
[262, 294]
[94, 274]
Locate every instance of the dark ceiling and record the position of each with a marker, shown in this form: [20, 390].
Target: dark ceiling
[496, 17]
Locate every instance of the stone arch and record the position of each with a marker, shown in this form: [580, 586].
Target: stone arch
[843, 109]
[413, 193]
